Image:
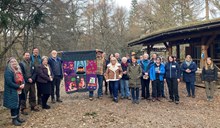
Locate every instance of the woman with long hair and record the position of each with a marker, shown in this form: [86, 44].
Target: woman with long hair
[13, 86]
[209, 77]
[113, 75]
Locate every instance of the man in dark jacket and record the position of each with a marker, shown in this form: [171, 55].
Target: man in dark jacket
[56, 67]
[36, 60]
[29, 74]
[144, 80]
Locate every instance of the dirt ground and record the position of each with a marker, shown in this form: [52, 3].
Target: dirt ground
[77, 111]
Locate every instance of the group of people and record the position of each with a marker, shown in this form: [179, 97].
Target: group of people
[21, 78]
[127, 75]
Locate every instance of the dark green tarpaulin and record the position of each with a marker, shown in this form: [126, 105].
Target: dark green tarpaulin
[79, 55]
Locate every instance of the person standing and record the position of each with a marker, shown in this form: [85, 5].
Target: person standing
[157, 72]
[44, 78]
[113, 74]
[145, 80]
[117, 56]
[172, 78]
[209, 77]
[100, 61]
[134, 72]
[36, 60]
[29, 74]
[189, 69]
[13, 86]
[56, 67]
[106, 83]
[125, 93]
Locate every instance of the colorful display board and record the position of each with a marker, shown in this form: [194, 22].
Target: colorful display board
[79, 71]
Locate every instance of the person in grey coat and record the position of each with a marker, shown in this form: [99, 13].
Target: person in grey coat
[13, 85]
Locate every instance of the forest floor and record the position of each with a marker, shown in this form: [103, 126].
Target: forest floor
[77, 111]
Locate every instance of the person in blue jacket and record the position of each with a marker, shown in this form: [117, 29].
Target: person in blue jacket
[188, 69]
[55, 63]
[172, 77]
[157, 71]
[145, 82]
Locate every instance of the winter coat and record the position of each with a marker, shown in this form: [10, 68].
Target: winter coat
[124, 68]
[52, 64]
[32, 70]
[42, 74]
[210, 74]
[153, 73]
[11, 97]
[134, 72]
[113, 73]
[145, 65]
[172, 70]
[189, 77]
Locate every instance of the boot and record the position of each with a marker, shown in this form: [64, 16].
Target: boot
[15, 122]
[53, 100]
[20, 120]
[59, 100]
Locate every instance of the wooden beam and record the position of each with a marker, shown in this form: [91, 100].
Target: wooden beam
[184, 37]
[210, 41]
[204, 55]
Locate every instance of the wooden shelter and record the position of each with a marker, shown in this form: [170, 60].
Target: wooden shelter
[203, 39]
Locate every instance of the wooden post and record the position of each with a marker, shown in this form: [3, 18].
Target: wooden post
[204, 55]
[178, 51]
[170, 50]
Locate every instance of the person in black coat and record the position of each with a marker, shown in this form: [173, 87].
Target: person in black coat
[29, 74]
[44, 78]
[209, 77]
[172, 77]
[189, 69]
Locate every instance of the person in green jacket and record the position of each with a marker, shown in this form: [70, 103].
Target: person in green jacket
[134, 73]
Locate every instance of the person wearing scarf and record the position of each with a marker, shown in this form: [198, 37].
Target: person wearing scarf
[44, 78]
[189, 69]
[125, 93]
[13, 86]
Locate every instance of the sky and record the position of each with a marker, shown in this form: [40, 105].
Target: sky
[125, 3]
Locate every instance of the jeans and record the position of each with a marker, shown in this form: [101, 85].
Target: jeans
[145, 91]
[55, 84]
[135, 94]
[100, 82]
[91, 93]
[156, 88]
[173, 88]
[29, 88]
[124, 88]
[114, 86]
[190, 87]
[15, 112]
